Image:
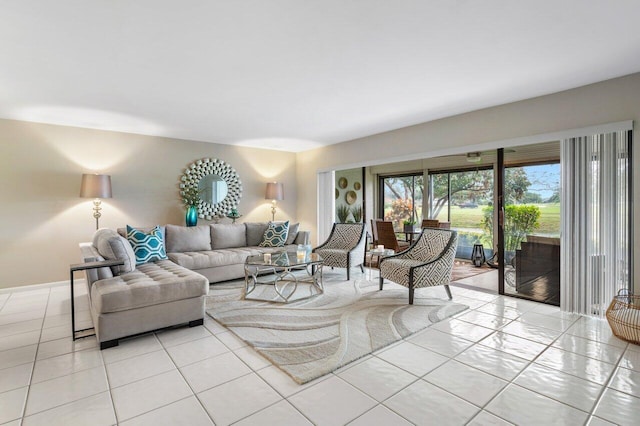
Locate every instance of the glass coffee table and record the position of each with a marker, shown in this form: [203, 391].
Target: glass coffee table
[284, 271]
[379, 253]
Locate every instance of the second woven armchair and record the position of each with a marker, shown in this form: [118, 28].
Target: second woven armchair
[345, 246]
[428, 262]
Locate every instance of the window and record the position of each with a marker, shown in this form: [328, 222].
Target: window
[461, 197]
[401, 198]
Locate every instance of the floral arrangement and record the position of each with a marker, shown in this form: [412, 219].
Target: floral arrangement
[191, 196]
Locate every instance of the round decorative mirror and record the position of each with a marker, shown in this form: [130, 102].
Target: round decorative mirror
[217, 183]
[212, 189]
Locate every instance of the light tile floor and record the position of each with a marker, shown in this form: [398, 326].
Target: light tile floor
[503, 361]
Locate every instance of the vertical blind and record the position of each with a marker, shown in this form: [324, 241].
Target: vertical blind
[596, 244]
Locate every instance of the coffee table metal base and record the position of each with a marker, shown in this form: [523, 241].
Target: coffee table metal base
[282, 277]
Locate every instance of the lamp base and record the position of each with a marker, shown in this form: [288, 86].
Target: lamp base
[96, 211]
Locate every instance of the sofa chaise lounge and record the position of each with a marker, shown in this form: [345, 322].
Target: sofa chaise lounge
[137, 298]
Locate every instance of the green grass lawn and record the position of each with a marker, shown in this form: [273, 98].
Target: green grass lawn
[471, 218]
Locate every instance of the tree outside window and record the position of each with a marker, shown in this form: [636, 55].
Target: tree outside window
[402, 199]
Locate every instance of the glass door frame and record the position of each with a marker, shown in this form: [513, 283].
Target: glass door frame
[499, 188]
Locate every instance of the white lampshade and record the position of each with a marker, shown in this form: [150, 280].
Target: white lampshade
[275, 191]
[95, 186]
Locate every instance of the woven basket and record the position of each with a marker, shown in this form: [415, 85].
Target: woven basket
[623, 315]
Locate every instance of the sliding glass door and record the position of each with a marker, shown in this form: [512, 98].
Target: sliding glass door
[464, 198]
[532, 231]
[401, 199]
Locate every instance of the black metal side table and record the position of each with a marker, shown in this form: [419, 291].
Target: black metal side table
[83, 267]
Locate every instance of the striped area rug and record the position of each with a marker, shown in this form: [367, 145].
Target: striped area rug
[315, 336]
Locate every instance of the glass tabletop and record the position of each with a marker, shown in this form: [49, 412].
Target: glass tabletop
[283, 259]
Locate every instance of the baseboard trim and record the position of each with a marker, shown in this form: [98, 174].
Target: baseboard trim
[32, 287]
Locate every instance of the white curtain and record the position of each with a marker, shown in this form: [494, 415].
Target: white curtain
[326, 204]
[596, 249]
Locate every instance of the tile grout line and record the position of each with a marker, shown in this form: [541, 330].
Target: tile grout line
[54, 378]
[418, 378]
[512, 381]
[381, 403]
[194, 394]
[606, 384]
[163, 349]
[106, 375]
[35, 358]
[253, 371]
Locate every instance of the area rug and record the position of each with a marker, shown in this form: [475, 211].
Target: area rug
[315, 336]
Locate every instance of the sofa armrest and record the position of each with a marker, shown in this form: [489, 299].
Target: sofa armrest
[88, 253]
[302, 237]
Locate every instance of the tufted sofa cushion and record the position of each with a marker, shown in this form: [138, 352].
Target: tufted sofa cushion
[213, 258]
[150, 284]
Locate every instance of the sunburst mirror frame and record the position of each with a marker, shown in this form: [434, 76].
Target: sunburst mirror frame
[213, 166]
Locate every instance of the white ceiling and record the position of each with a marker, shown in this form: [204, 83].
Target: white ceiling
[296, 74]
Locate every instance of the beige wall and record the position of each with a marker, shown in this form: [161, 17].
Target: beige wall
[605, 102]
[42, 218]
[352, 176]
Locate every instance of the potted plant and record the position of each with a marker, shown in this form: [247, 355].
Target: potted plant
[343, 213]
[233, 215]
[409, 225]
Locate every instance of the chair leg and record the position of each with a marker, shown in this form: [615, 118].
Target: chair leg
[362, 268]
[381, 282]
[411, 295]
[446, 287]
[348, 275]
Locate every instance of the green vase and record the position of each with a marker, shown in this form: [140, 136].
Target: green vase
[191, 217]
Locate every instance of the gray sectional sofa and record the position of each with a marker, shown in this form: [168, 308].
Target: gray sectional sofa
[132, 299]
[218, 251]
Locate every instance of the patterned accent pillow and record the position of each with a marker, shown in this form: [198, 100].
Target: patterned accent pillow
[275, 235]
[148, 247]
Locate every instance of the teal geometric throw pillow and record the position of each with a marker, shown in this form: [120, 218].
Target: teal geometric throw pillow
[148, 247]
[275, 235]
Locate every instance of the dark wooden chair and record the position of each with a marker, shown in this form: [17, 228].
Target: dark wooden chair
[374, 231]
[430, 223]
[387, 237]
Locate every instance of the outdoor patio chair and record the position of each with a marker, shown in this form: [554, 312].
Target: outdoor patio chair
[345, 246]
[428, 262]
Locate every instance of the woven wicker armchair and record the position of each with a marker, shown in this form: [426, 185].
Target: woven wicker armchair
[428, 262]
[345, 246]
